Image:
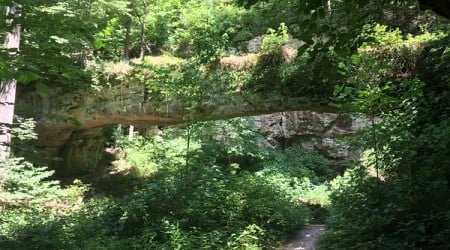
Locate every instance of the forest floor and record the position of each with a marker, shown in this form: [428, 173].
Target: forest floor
[305, 239]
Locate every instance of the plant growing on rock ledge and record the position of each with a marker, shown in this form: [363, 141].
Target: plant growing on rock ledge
[266, 74]
[274, 40]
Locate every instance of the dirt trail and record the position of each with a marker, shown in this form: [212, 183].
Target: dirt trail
[306, 239]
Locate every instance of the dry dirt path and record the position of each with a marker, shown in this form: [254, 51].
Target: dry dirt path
[306, 239]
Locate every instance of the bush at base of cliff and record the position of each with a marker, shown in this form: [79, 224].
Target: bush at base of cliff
[367, 213]
[28, 199]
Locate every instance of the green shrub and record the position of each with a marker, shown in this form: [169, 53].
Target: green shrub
[393, 214]
[31, 204]
[294, 162]
[274, 40]
[231, 195]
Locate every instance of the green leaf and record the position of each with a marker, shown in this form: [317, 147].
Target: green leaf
[98, 44]
[27, 77]
[355, 59]
[42, 88]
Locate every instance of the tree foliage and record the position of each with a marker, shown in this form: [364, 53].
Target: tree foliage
[405, 204]
[382, 59]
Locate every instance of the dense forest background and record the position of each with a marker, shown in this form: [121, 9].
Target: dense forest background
[210, 184]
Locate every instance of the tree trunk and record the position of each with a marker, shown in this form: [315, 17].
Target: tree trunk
[8, 86]
[143, 45]
[126, 44]
[131, 133]
[143, 27]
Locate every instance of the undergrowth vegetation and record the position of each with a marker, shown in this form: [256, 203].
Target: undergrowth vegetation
[398, 197]
[210, 185]
[216, 190]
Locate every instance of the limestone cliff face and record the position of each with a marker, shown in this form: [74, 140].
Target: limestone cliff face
[315, 131]
[71, 125]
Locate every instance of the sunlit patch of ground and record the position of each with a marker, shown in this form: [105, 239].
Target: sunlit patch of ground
[306, 239]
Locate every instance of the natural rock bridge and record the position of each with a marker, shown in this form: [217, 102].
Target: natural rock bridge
[70, 124]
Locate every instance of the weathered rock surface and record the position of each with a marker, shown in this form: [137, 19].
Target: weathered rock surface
[68, 123]
[71, 125]
[309, 130]
[254, 45]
